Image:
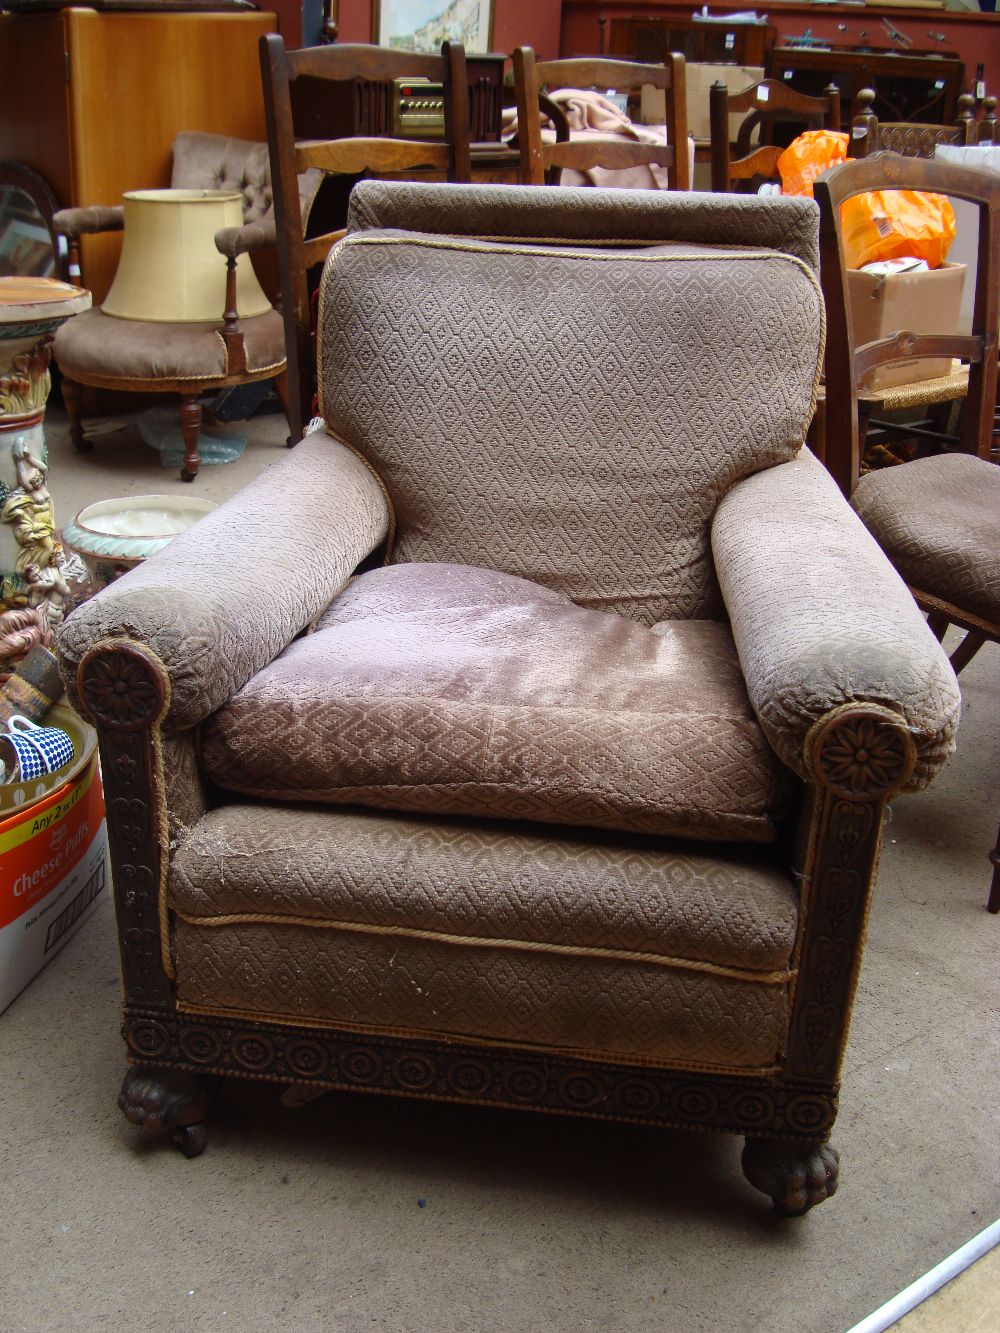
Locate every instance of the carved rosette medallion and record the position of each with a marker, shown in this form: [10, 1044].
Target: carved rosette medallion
[863, 757]
[123, 689]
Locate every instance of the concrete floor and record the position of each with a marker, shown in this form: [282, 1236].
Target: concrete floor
[357, 1212]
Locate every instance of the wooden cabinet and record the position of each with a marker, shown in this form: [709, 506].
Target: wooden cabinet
[92, 101]
[919, 86]
[653, 38]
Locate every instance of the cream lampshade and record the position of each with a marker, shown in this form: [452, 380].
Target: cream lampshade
[170, 271]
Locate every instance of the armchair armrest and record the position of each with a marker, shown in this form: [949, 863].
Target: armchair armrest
[821, 619]
[226, 597]
[75, 222]
[234, 241]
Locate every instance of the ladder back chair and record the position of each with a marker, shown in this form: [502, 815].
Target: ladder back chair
[935, 518]
[533, 79]
[911, 139]
[767, 103]
[356, 72]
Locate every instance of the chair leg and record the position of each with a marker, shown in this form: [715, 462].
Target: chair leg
[993, 902]
[967, 650]
[170, 1101]
[73, 398]
[281, 389]
[937, 624]
[796, 1174]
[190, 432]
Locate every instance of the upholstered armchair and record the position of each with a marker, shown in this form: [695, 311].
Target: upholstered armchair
[523, 738]
[190, 358]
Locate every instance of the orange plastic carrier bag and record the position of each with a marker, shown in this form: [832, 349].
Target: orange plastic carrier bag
[809, 156]
[888, 223]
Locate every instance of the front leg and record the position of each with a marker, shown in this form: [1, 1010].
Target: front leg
[796, 1173]
[165, 1100]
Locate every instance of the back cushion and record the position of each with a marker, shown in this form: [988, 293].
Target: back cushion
[568, 415]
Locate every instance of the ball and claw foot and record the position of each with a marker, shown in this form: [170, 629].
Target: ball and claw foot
[796, 1175]
[169, 1101]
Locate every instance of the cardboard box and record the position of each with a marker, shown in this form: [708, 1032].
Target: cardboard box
[700, 77]
[928, 302]
[53, 872]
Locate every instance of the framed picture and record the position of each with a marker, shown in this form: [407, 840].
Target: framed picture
[422, 25]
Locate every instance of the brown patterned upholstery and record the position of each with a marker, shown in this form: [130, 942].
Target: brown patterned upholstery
[225, 597]
[639, 217]
[936, 519]
[604, 463]
[608, 609]
[518, 705]
[607, 947]
[815, 648]
[95, 346]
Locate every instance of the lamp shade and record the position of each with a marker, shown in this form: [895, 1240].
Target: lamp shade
[170, 271]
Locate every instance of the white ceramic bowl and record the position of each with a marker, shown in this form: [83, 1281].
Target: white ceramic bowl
[114, 535]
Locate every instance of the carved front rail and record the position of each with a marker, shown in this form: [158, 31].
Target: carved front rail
[126, 692]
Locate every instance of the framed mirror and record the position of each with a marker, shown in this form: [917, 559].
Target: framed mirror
[28, 242]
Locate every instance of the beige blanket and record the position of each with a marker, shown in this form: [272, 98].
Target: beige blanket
[592, 116]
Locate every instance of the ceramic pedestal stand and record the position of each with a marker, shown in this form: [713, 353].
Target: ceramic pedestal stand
[33, 590]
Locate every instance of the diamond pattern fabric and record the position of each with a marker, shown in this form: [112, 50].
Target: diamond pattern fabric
[569, 415]
[637, 217]
[937, 520]
[226, 596]
[821, 619]
[623, 947]
[460, 690]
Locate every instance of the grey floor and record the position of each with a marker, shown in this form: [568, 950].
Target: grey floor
[357, 1212]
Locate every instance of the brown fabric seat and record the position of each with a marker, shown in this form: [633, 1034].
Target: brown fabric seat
[525, 705]
[152, 354]
[936, 519]
[568, 941]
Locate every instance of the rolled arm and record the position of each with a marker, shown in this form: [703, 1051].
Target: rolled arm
[74, 222]
[235, 241]
[226, 597]
[821, 619]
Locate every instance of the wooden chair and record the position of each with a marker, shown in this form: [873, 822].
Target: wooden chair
[911, 139]
[935, 518]
[767, 103]
[534, 78]
[869, 135]
[293, 127]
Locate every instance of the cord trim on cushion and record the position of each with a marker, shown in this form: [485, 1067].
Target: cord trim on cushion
[568, 249]
[780, 978]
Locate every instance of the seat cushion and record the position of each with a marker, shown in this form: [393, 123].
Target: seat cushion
[628, 948]
[460, 690]
[95, 348]
[936, 520]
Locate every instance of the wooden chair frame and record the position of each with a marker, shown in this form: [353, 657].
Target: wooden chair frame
[870, 135]
[767, 102]
[845, 364]
[534, 78]
[347, 156]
